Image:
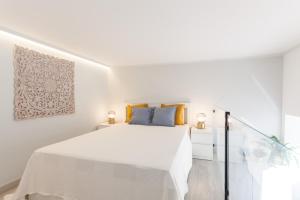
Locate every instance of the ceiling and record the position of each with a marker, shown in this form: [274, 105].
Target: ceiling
[145, 32]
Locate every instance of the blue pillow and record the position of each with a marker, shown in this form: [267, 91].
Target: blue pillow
[164, 116]
[142, 116]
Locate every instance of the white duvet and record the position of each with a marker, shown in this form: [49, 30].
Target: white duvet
[123, 162]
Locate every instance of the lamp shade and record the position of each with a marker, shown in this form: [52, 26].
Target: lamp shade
[111, 114]
[201, 117]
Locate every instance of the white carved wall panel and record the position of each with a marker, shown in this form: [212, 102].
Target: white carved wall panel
[44, 85]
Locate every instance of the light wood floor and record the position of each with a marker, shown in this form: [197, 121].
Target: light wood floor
[205, 181]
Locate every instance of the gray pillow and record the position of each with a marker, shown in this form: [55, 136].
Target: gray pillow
[142, 116]
[164, 116]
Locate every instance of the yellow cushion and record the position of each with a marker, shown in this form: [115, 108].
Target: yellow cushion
[179, 116]
[129, 110]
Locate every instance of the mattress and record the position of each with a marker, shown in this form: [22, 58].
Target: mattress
[122, 162]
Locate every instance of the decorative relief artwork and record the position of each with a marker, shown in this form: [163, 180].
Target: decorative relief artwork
[44, 85]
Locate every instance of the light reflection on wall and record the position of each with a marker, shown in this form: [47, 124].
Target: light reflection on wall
[21, 40]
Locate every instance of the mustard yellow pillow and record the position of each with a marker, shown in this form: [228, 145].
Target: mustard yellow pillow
[179, 116]
[129, 110]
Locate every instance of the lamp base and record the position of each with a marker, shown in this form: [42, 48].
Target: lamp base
[111, 120]
[201, 125]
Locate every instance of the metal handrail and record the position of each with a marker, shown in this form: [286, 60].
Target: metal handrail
[227, 114]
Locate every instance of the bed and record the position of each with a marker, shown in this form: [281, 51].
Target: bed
[122, 162]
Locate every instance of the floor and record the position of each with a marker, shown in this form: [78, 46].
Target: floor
[205, 181]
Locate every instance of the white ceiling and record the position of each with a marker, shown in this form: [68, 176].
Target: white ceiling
[143, 32]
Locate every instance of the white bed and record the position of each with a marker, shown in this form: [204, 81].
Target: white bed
[122, 162]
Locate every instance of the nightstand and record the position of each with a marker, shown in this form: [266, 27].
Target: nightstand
[202, 140]
[104, 125]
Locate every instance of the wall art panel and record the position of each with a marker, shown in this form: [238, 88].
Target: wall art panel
[44, 85]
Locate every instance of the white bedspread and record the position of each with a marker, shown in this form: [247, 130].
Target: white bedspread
[123, 162]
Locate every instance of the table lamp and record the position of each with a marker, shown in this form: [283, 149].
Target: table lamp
[201, 118]
[111, 117]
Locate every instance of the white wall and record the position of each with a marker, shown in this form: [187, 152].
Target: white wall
[291, 108]
[251, 89]
[291, 97]
[19, 138]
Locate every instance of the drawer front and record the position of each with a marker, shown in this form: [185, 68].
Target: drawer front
[203, 152]
[202, 138]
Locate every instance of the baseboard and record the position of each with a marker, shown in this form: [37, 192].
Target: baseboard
[9, 186]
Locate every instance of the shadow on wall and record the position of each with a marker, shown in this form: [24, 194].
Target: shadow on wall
[265, 114]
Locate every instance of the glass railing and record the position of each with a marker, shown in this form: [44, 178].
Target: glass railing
[258, 166]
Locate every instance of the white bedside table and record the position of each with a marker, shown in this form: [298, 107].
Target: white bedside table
[202, 140]
[104, 125]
